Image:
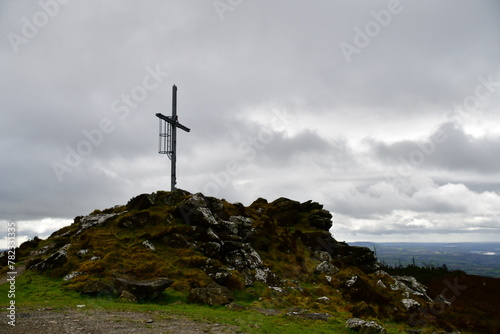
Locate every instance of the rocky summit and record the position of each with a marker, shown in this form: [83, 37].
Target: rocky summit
[276, 256]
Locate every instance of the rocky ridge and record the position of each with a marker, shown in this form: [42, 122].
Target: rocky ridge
[278, 255]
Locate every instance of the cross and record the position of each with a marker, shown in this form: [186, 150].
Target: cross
[168, 135]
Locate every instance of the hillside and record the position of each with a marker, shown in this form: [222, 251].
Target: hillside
[276, 258]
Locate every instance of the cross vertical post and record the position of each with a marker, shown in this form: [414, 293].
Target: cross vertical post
[168, 136]
[173, 180]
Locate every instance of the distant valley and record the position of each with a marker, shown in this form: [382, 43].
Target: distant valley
[474, 258]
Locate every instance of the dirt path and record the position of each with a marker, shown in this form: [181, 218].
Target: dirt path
[97, 322]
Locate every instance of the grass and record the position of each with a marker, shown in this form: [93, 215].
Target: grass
[35, 291]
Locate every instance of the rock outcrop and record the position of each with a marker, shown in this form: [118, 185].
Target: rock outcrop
[55, 260]
[142, 290]
[96, 288]
[279, 255]
[362, 326]
[212, 294]
[231, 237]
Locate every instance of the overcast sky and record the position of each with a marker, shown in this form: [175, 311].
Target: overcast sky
[386, 112]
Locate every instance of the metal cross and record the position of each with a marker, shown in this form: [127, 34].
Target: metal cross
[168, 135]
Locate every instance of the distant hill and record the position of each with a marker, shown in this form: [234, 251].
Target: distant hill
[474, 258]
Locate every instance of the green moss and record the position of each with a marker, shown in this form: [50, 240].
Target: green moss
[236, 281]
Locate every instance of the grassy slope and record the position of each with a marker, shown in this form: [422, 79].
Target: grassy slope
[34, 291]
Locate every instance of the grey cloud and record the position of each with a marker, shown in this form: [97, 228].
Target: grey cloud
[231, 74]
[306, 145]
[462, 151]
[449, 147]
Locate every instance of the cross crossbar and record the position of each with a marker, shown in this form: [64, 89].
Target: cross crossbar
[175, 123]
